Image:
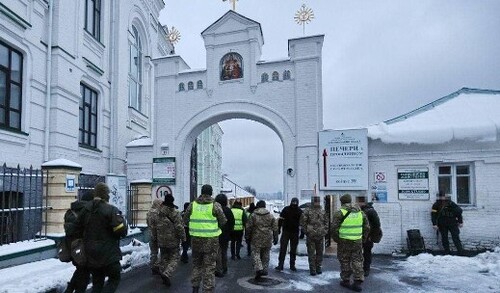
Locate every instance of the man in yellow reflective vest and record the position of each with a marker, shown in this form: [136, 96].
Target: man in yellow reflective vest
[204, 217]
[240, 221]
[350, 228]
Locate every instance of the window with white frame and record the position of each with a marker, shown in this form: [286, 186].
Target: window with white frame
[93, 18]
[88, 117]
[457, 180]
[135, 71]
[11, 69]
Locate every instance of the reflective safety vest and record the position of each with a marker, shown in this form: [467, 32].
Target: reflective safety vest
[202, 223]
[238, 219]
[352, 227]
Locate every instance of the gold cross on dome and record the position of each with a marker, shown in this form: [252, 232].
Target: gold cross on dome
[233, 2]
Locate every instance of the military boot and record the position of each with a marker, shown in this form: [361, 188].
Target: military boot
[356, 286]
[196, 289]
[345, 284]
[319, 271]
[279, 267]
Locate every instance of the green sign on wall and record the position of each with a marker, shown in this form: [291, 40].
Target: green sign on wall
[164, 170]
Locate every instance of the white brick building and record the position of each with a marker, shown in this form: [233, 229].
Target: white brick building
[209, 155]
[456, 139]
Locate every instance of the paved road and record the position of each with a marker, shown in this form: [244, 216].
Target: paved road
[385, 277]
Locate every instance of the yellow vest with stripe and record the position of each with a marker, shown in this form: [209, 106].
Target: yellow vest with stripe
[238, 219]
[202, 223]
[352, 227]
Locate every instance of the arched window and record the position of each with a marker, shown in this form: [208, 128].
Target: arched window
[264, 77]
[231, 66]
[190, 86]
[276, 75]
[181, 87]
[135, 71]
[286, 75]
[199, 85]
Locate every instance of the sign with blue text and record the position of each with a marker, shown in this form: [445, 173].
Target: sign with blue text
[343, 159]
[164, 170]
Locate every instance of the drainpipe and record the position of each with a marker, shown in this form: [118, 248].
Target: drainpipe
[49, 81]
[112, 79]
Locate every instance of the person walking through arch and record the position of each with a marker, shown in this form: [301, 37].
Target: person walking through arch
[185, 244]
[240, 220]
[374, 235]
[204, 218]
[350, 228]
[289, 223]
[249, 213]
[314, 223]
[152, 217]
[262, 231]
[224, 237]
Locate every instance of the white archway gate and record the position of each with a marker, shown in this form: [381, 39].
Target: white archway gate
[285, 95]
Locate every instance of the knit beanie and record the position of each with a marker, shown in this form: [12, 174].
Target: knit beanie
[346, 198]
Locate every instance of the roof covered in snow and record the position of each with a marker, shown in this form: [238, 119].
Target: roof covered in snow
[467, 114]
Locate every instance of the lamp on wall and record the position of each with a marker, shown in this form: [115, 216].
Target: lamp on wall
[290, 172]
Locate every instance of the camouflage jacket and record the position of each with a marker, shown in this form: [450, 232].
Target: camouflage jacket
[314, 222]
[217, 210]
[152, 214]
[262, 228]
[337, 218]
[167, 228]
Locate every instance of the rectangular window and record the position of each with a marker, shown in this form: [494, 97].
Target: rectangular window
[93, 18]
[88, 117]
[456, 180]
[11, 72]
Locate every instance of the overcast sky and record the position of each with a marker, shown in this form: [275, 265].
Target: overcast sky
[380, 59]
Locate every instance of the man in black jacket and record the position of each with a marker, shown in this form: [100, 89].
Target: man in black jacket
[374, 221]
[81, 276]
[102, 226]
[447, 217]
[289, 223]
[224, 237]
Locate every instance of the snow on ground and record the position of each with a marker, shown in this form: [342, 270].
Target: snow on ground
[422, 273]
[454, 273]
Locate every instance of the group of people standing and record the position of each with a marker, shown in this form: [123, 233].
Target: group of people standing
[215, 228]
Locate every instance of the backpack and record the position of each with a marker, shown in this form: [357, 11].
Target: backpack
[64, 248]
[64, 251]
[376, 235]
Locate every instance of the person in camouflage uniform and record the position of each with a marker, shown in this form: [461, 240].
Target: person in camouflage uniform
[204, 244]
[168, 232]
[350, 228]
[151, 217]
[261, 232]
[314, 222]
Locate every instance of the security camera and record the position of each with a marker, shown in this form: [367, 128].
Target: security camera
[290, 172]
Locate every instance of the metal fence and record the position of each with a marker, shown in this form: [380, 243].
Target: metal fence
[22, 204]
[133, 206]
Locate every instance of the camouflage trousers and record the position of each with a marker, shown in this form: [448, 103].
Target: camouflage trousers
[169, 259]
[350, 256]
[260, 257]
[315, 248]
[204, 257]
[153, 255]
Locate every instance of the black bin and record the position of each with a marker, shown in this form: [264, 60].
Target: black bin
[415, 242]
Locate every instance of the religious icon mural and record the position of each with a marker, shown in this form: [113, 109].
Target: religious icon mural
[231, 66]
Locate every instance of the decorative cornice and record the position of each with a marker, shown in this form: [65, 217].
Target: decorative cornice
[93, 66]
[14, 16]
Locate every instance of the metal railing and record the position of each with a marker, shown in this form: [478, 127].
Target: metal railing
[22, 204]
[133, 206]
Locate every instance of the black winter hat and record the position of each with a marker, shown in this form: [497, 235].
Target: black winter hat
[206, 189]
[101, 190]
[295, 201]
[346, 198]
[260, 204]
[169, 199]
[221, 198]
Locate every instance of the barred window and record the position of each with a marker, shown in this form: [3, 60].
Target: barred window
[286, 75]
[181, 87]
[190, 86]
[199, 85]
[88, 116]
[11, 72]
[276, 76]
[264, 77]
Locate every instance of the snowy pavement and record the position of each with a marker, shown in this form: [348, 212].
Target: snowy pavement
[422, 273]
